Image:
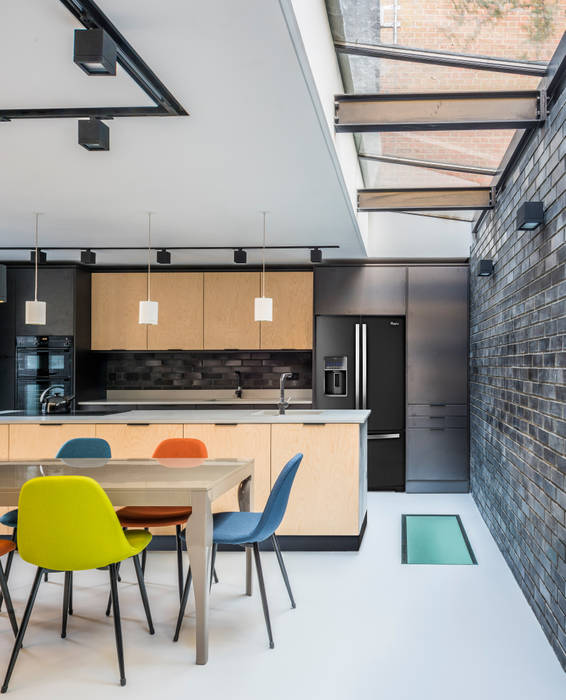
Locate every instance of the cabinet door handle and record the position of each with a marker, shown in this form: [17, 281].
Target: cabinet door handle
[224, 424]
[437, 404]
[387, 436]
[135, 425]
[319, 424]
[436, 428]
[50, 424]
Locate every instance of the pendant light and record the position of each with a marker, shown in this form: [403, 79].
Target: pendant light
[263, 306]
[148, 309]
[36, 311]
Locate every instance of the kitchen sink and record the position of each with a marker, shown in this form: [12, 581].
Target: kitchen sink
[288, 412]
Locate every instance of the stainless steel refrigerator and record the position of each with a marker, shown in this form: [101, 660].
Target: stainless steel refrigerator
[359, 362]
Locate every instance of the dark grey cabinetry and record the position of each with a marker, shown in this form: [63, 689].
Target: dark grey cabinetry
[437, 379]
[56, 286]
[368, 290]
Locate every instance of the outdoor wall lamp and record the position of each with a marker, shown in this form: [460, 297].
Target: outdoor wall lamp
[485, 268]
[530, 215]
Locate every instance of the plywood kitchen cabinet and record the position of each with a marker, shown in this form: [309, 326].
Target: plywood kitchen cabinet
[324, 498]
[115, 311]
[136, 440]
[180, 297]
[43, 440]
[291, 328]
[238, 441]
[229, 310]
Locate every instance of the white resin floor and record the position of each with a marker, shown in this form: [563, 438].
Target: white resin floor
[365, 627]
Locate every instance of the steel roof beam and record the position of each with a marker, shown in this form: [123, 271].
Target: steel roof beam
[431, 164]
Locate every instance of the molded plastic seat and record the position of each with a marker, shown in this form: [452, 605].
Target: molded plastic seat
[82, 532]
[243, 528]
[84, 448]
[10, 519]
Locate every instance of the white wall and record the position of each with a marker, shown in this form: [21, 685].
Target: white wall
[396, 235]
[315, 39]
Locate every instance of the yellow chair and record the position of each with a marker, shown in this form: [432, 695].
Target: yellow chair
[67, 523]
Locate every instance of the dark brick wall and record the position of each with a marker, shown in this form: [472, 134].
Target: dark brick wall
[200, 370]
[518, 379]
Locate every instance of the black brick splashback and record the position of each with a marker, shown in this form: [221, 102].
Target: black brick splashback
[194, 370]
[518, 378]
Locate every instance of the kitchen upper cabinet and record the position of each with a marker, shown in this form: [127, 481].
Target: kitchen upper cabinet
[324, 498]
[437, 335]
[238, 441]
[364, 289]
[43, 440]
[180, 297]
[291, 328]
[55, 286]
[115, 311]
[229, 310]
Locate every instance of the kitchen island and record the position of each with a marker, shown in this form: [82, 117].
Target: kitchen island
[327, 507]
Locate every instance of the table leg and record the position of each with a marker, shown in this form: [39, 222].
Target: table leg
[199, 541]
[245, 497]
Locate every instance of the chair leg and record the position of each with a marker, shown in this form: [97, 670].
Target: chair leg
[71, 594]
[213, 559]
[117, 624]
[143, 593]
[144, 557]
[9, 564]
[45, 577]
[283, 569]
[6, 597]
[22, 630]
[109, 604]
[66, 602]
[262, 591]
[183, 605]
[214, 576]
[179, 560]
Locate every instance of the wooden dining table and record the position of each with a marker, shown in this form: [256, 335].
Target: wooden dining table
[157, 482]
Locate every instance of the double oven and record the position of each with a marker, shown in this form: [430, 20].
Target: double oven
[42, 362]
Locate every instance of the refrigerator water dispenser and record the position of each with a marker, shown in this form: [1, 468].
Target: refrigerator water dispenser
[335, 375]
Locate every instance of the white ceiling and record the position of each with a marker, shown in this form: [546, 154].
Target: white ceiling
[252, 142]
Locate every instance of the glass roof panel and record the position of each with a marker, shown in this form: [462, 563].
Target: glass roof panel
[379, 174]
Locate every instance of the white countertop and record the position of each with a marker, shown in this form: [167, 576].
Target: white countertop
[206, 416]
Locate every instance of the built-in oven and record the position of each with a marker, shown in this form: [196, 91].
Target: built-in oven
[42, 363]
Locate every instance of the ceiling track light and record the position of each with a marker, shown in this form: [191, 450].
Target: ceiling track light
[240, 256]
[163, 257]
[316, 255]
[94, 135]
[95, 52]
[88, 257]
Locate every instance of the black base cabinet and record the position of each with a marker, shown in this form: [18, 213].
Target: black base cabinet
[437, 460]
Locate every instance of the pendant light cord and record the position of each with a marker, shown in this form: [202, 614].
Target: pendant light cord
[263, 258]
[36, 256]
[148, 253]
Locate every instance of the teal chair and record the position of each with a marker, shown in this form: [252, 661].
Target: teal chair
[243, 528]
[83, 533]
[77, 448]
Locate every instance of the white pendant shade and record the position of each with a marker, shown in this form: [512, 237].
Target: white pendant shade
[36, 312]
[149, 311]
[263, 309]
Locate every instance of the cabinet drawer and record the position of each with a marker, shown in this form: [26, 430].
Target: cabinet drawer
[43, 440]
[437, 409]
[437, 454]
[437, 421]
[136, 441]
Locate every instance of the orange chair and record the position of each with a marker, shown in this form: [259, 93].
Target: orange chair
[166, 516]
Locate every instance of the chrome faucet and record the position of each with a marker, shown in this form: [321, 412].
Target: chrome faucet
[238, 390]
[282, 405]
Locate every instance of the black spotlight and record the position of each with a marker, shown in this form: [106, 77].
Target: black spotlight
[41, 256]
[163, 257]
[95, 52]
[485, 268]
[240, 256]
[316, 255]
[530, 215]
[94, 135]
[88, 257]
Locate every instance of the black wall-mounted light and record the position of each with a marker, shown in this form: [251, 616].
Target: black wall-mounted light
[163, 257]
[88, 257]
[316, 255]
[3, 284]
[530, 215]
[485, 268]
[94, 135]
[95, 52]
[41, 256]
[240, 256]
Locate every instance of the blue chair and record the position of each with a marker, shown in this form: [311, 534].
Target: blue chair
[242, 528]
[77, 448]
